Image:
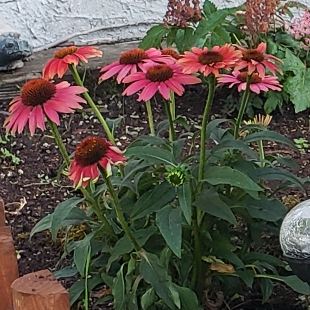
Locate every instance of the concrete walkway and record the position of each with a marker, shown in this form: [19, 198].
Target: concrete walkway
[10, 82]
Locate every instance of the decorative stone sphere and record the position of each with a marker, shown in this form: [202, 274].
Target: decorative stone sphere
[295, 232]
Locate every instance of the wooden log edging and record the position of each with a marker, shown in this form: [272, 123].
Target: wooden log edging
[40, 291]
[8, 263]
[34, 291]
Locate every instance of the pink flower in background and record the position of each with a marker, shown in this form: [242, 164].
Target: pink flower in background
[257, 60]
[131, 61]
[40, 98]
[209, 61]
[89, 154]
[300, 30]
[68, 56]
[257, 84]
[162, 78]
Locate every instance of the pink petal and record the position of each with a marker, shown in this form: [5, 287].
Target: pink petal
[135, 87]
[149, 91]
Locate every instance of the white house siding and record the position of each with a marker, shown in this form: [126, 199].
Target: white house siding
[43, 22]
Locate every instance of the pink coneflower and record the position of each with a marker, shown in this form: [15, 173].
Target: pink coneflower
[162, 78]
[68, 56]
[171, 52]
[256, 59]
[131, 61]
[40, 98]
[91, 153]
[209, 61]
[257, 83]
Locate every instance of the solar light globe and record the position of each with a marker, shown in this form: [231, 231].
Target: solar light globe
[295, 232]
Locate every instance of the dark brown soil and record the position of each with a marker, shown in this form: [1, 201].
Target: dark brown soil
[31, 191]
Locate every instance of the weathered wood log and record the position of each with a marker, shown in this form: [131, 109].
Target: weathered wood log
[8, 268]
[39, 291]
[10, 82]
[2, 216]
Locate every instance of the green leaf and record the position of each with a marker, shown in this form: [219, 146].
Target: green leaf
[270, 173]
[148, 298]
[152, 155]
[155, 274]
[293, 63]
[225, 175]
[209, 8]
[42, 225]
[185, 201]
[206, 26]
[210, 202]
[298, 87]
[247, 276]
[183, 39]
[67, 213]
[169, 222]
[76, 290]
[124, 245]
[220, 36]
[118, 290]
[154, 37]
[267, 288]
[251, 257]
[297, 285]
[187, 297]
[212, 126]
[234, 145]
[274, 100]
[65, 272]
[153, 200]
[269, 136]
[270, 210]
[80, 253]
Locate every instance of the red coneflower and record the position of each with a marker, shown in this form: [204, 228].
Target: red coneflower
[40, 98]
[257, 83]
[131, 61]
[91, 153]
[257, 60]
[208, 61]
[68, 56]
[162, 78]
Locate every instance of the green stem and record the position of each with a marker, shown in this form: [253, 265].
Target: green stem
[245, 99]
[90, 101]
[86, 194]
[171, 124]
[172, 112]
[119, 212]
[205, 120]
[59, 142]
[261, 152]
[197, 266]
[150, 116]
[86, 279]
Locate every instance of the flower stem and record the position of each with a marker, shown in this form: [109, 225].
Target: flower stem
[171, 124]
[90, 101]
[172, 112]
[245, 99]
[86, 194]
[150, 116]
[261, 152]
[86, 279]
[59, 142]
[205, 120]
[197, 251]
[119, 212]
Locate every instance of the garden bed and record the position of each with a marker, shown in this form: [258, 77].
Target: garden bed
[31, 190]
